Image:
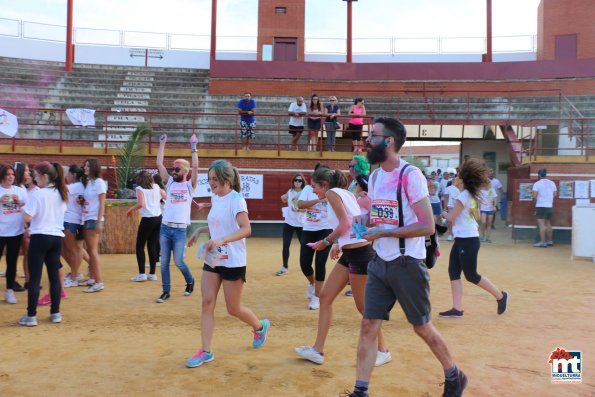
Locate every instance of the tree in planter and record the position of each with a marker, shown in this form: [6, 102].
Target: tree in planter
[129, 160]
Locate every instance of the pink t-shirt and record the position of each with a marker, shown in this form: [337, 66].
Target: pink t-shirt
[357, 120]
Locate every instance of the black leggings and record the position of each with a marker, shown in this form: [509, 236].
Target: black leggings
[13, 245]
[463, 257]
[148, 233]
[44, 248]
[307, 254]
[287, 235]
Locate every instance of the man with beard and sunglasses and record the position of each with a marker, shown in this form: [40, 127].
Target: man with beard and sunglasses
[398, 273]
[176, 215]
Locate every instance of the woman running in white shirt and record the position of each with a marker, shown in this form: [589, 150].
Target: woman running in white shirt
[464, 251]
[148, 195]
[225, 259]
[94, 208]
[45, 211]
[352, 265]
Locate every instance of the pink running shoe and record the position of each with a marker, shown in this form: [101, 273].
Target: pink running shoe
[47, 300]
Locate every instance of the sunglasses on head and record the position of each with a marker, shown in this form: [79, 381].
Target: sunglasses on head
[298, 180]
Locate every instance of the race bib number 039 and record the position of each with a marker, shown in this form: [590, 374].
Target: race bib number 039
[384, 212]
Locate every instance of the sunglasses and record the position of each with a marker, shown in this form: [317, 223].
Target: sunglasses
[298, 180]
[177, 169]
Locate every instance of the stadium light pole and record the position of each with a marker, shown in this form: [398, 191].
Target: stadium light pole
[349, 29]
[69, 49]
[213, 29]
[488, 57]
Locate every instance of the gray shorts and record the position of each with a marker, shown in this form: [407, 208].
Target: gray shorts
[404, 280]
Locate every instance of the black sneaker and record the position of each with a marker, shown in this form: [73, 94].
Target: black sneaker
[189, 289]
[454, 388]
[503, 303]
[164, 296]
[17, 287]
[356, 393]
[452, 313]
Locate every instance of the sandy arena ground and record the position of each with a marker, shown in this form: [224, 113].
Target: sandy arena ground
[119, 342]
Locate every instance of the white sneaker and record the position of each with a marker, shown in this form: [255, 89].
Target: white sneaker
[28, 321]
[152, 277]
[140, 277]
[70, 283]
[86, 282]
[449, 238]
[309, 353]
[311, 290]
[383, 358]
[282, 271]
[2, 274]
[314, 303]
[95, 288]
[9, 297]
[55, 318]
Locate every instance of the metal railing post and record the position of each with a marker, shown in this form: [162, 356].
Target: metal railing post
[106, 133]
[150, 133]
[61, 125]
[278, 136]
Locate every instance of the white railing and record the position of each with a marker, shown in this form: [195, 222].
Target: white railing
[313, 45]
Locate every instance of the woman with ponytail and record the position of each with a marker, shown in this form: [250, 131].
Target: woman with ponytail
[225, 259]
[352, 265]
[45, 212]
[463, 255]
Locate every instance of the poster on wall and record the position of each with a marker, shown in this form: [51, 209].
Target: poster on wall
[566, 189]
[525, 191]
[251, 186]
[581, 189]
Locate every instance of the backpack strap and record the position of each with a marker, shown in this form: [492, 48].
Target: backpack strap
[400, 203]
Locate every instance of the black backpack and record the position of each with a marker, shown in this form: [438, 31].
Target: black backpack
[432, 246]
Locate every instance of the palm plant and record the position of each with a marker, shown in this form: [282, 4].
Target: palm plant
[130, 158]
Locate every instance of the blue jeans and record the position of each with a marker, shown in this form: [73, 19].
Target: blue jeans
[173, 239]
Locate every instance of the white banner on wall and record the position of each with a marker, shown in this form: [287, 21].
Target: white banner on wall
[251, 186]
[9, 124]
[82, 117]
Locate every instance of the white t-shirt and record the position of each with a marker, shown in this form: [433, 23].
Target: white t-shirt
[152, 207]
[294, 108]
[487, 200]
[294, 217]
[453, 192]
[74, 211]
[222, 222]
[443, 183]
[495, 184]
[47, 210]
[317, 215]
[11, 220]
[178, 202]
[382, 189]
[545, 193]
[465, 224]
[352, 209]
[93, 189]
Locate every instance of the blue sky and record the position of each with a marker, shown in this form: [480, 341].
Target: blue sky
[324, 18]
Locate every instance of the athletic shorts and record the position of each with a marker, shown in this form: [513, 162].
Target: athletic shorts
[91, 224]
[247, 129]
[543, 213]
[295, 129]
[356, 131]
[356, 259]
[488, 212]
[75, 229]
[227, 273]
[436, 208]
[404, 280]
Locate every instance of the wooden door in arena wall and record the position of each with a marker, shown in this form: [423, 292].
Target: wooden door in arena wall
[285, 49]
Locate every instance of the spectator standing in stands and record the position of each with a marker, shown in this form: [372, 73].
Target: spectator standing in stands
[356, 123]
[544, 191]
[247, 110]
[297, 110]
[332, 111]
[315, 111]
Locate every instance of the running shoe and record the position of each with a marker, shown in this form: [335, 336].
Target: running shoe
[454, 388]
[152, 277]
[540, 245]
[454, 313]
[139, 278]
[9, 297]
[86, 283]
[55, 318]
[261, 336]
[383, 358]
[189, 288]
[95, 288]
[164, 296]
[47, 299]
[349, 292]
[200, 358]
[549, 243]
[282, 271]
[314, 303]
[309, 353]
[28, 321]
[311, 291]
[18, 287]
[503, 303]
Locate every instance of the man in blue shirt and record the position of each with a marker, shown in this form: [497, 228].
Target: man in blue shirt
[247, 109]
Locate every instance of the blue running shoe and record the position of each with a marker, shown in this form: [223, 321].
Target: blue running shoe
[261, 336]
[200, 358]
